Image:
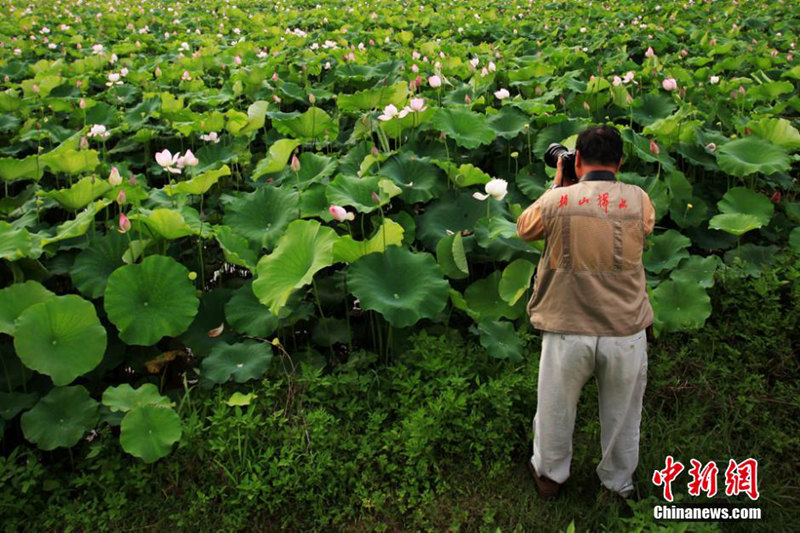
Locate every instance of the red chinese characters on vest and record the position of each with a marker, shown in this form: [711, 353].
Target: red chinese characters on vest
[563, 201]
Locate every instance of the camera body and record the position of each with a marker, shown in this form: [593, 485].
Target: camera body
[556, 150]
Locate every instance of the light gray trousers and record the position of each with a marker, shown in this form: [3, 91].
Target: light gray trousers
[620, 367]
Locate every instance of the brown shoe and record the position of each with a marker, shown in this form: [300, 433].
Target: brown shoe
[545, 487]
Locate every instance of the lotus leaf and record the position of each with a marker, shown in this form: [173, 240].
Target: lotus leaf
[516, 279]
[61, 418]
[357, 192]
[123, 398]
[81, 194]
[451, 256]
[500, 339]
[148, 432]
[346, 249]
[418, 180]
[277, 157]
[16, 298]
[666, 251]
[680, 305]
[467, 128]
[245, 313]
[150, 300]
[262, 216]
[752, 154]
[96, 262]
[238, 362]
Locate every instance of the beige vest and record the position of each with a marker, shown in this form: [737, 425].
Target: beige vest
[590, 279]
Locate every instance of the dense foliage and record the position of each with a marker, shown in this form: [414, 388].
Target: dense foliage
[200, 186]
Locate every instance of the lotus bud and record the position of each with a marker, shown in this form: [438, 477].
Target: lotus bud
[276, 98]
[132, 180]
[654, 149]
[435, 81]
[339, 213]
[295, 164]
[82, 103]
[375, 197]
[158, 72]
[122, 198]
[275, 76]
[217, 331]
[586, 105]
[124, 223]
[467, 99]
[711, 147]
[312, 98]
[114, 178]
[374, 151]
[84, 144]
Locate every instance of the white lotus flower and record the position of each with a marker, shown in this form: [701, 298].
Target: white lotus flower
[210, 137]
[188, 160]
[167, 161]
[389, 112]
[417, 105]
[496, 188]
[98, 130]
[502, 93]
[339, 213]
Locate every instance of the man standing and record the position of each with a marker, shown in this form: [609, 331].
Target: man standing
[590, 301]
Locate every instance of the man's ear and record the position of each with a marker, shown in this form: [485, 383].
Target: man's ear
[578, 160]
[620, 164]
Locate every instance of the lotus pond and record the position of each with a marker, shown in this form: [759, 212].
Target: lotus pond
[192, 190]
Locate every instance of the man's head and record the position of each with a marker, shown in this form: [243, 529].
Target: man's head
[598, 148]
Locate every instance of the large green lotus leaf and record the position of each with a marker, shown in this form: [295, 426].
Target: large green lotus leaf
[467, 128]
[509, 122]
[483, 297]
[17, 243]
[357, 192]
[213, 154]
[262, 216]
[746, 201]
[168, 223]
[346, 249]
[150, 300]
[556, 134]
[123, 398]
[71, 161]
[770, 90]
[27, 168]
[96, 262]
[666, 251]
[500, 339]
[60, 337]
[314, 168]
[451, 256]
[375, 98]
[680, 306]
[403, 286]
[734, 223]
[778, 131]
[639, 146]
[18, 297]
[236, 248]
[465, 174]
[81, 194]
[277, 157]
[199, 184]
[77, 226]
[246, 314]
[13, 403]
[752, 154]
[454, 211]
[697, 269]
[418, 180]
[313, 124]
[688, 213]
[256, 116]
[305, 248]
[314, 203]
[516, 279]
[751, 258]
[652, 107]
[148, 432]
[210, 316]
[61, 418]
[238, 362]
[794, 240]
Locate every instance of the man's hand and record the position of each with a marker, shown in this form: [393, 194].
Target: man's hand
[559, 171]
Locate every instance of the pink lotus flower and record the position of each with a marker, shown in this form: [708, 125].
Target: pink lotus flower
[628, 77]
[496, 188]
[210, 137]
[166, 160]
[654, 148]
[502, 93]
[417, 105]
[435, 81]
[237, 60]
[650, 52]
[188, 160]
[389, 112]
[124, 223]
[669, 84]
[114, 178]
[295, 164]
[186, 76]
[339, 213]
[617, 81]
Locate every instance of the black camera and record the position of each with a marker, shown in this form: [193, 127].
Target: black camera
[554, 151]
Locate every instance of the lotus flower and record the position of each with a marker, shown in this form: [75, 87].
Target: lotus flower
[628, 77]
[776, 197]
[124, 223]
[713, 80]
[186, 76]
[210, 137]
[496, 188]
[295, 164]
[122, 198]
[389, 112]
[114, 178]
[435, 81]
[654, 148]
[711, 147]
[502, 93]
[417, 105]
[166, 160]
[340, 214]
[669, 84]
[617, 81]
[650, 52]
[188, 160]
[98, 130]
